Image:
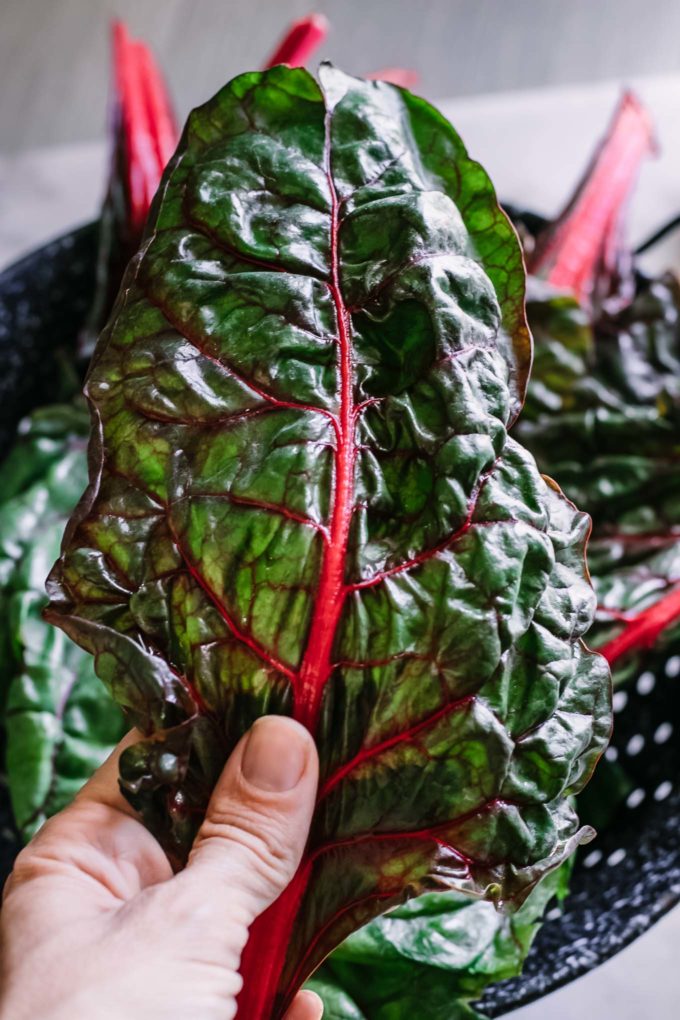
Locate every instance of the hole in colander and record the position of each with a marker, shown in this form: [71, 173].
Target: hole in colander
[673, 666]
[635, 745]
[593, 858]
[635, 798]
[620, 700]
[662, 733]
[554, 914]
[663, 790]
[616, 857]
[646, 681]
[612, 753]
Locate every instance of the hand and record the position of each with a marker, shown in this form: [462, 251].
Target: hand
[94, 924]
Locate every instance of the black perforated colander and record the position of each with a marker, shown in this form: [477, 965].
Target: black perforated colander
[622, 883]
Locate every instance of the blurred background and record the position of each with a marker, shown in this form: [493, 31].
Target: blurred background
[54, 53]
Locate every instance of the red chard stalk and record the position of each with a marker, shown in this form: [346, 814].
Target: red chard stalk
[300, 41]
[583, 246]
[642, 630]
[143, 137]
[404, 77]
[145, 119]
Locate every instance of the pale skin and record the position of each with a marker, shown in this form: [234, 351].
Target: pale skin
[95, 925]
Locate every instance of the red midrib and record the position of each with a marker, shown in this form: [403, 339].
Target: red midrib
[316, 664]
[148, 126]
[265, 953]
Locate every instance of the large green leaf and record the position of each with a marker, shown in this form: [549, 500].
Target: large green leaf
[303, 500]
[60, 723]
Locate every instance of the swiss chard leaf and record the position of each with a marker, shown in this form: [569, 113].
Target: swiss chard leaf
[303, 500]
[337, 1004]
[60, 724]
[603, 410]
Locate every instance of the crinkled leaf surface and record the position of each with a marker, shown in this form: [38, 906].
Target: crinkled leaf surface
[434, 955]
[303, 500]
[60, 723]
[634, 574]
[40, 482]
[621, 361]
[604, 414]
[338, 1005]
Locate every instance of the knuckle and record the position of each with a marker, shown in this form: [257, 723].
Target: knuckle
[264, 842]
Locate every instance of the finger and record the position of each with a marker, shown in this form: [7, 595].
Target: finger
[102, 787]
[250, 844]
[306, 1006]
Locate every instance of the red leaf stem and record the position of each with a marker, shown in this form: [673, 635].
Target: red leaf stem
[316, 664]
[148, 127]
[642, 630]
[589, 229]
[299, 42]
[265, 952]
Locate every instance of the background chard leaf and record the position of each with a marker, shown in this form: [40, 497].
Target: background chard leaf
[303, 499]
[432, 956]
[604, 414]
[60, 724]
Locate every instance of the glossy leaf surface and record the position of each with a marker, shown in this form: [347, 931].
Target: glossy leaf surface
[303, 499]
[433, 956]
[60, 723]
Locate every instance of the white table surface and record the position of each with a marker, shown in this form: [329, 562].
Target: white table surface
[535, 145]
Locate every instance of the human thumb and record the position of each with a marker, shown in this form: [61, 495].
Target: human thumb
[257, 822]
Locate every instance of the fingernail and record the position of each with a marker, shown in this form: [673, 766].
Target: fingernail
[275, 755]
